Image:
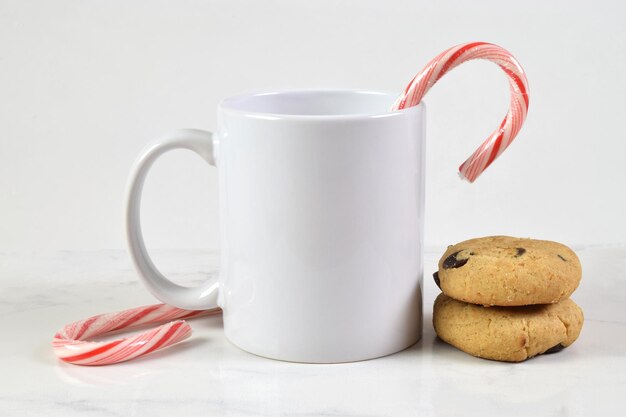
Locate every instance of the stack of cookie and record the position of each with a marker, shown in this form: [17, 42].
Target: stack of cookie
[507, 298]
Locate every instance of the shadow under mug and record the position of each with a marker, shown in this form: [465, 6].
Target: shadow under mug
[321, 196]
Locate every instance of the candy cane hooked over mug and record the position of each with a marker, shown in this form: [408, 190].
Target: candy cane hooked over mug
[502, 137]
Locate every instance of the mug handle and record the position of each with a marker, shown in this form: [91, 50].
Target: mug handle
[200, 297]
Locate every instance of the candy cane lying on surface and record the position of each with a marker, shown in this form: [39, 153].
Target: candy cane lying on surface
[502, 137]
[70, 346]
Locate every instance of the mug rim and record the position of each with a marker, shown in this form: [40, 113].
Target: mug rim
[227, 105]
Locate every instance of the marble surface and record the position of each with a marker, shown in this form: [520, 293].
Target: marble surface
[207, 376]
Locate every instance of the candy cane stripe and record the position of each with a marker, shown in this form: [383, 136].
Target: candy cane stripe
[452, 62]
[89, 354]
[127, 350]
[138, 346]
[134, 318]
[84, 326]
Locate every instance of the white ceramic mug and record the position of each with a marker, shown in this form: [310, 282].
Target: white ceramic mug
[321, 198]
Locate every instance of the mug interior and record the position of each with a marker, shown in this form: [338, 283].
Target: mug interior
[320, 102]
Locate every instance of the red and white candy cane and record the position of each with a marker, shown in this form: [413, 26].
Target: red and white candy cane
[70, 346]
[502, 137]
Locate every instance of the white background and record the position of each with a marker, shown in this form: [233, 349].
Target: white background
[84, 85]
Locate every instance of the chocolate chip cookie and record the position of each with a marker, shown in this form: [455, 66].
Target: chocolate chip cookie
[508, 271]
[510, 334]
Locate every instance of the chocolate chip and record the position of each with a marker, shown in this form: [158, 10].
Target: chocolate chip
[564, 260]
[452, 262]
[520, 252]
[555, 349]
[436, 278]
